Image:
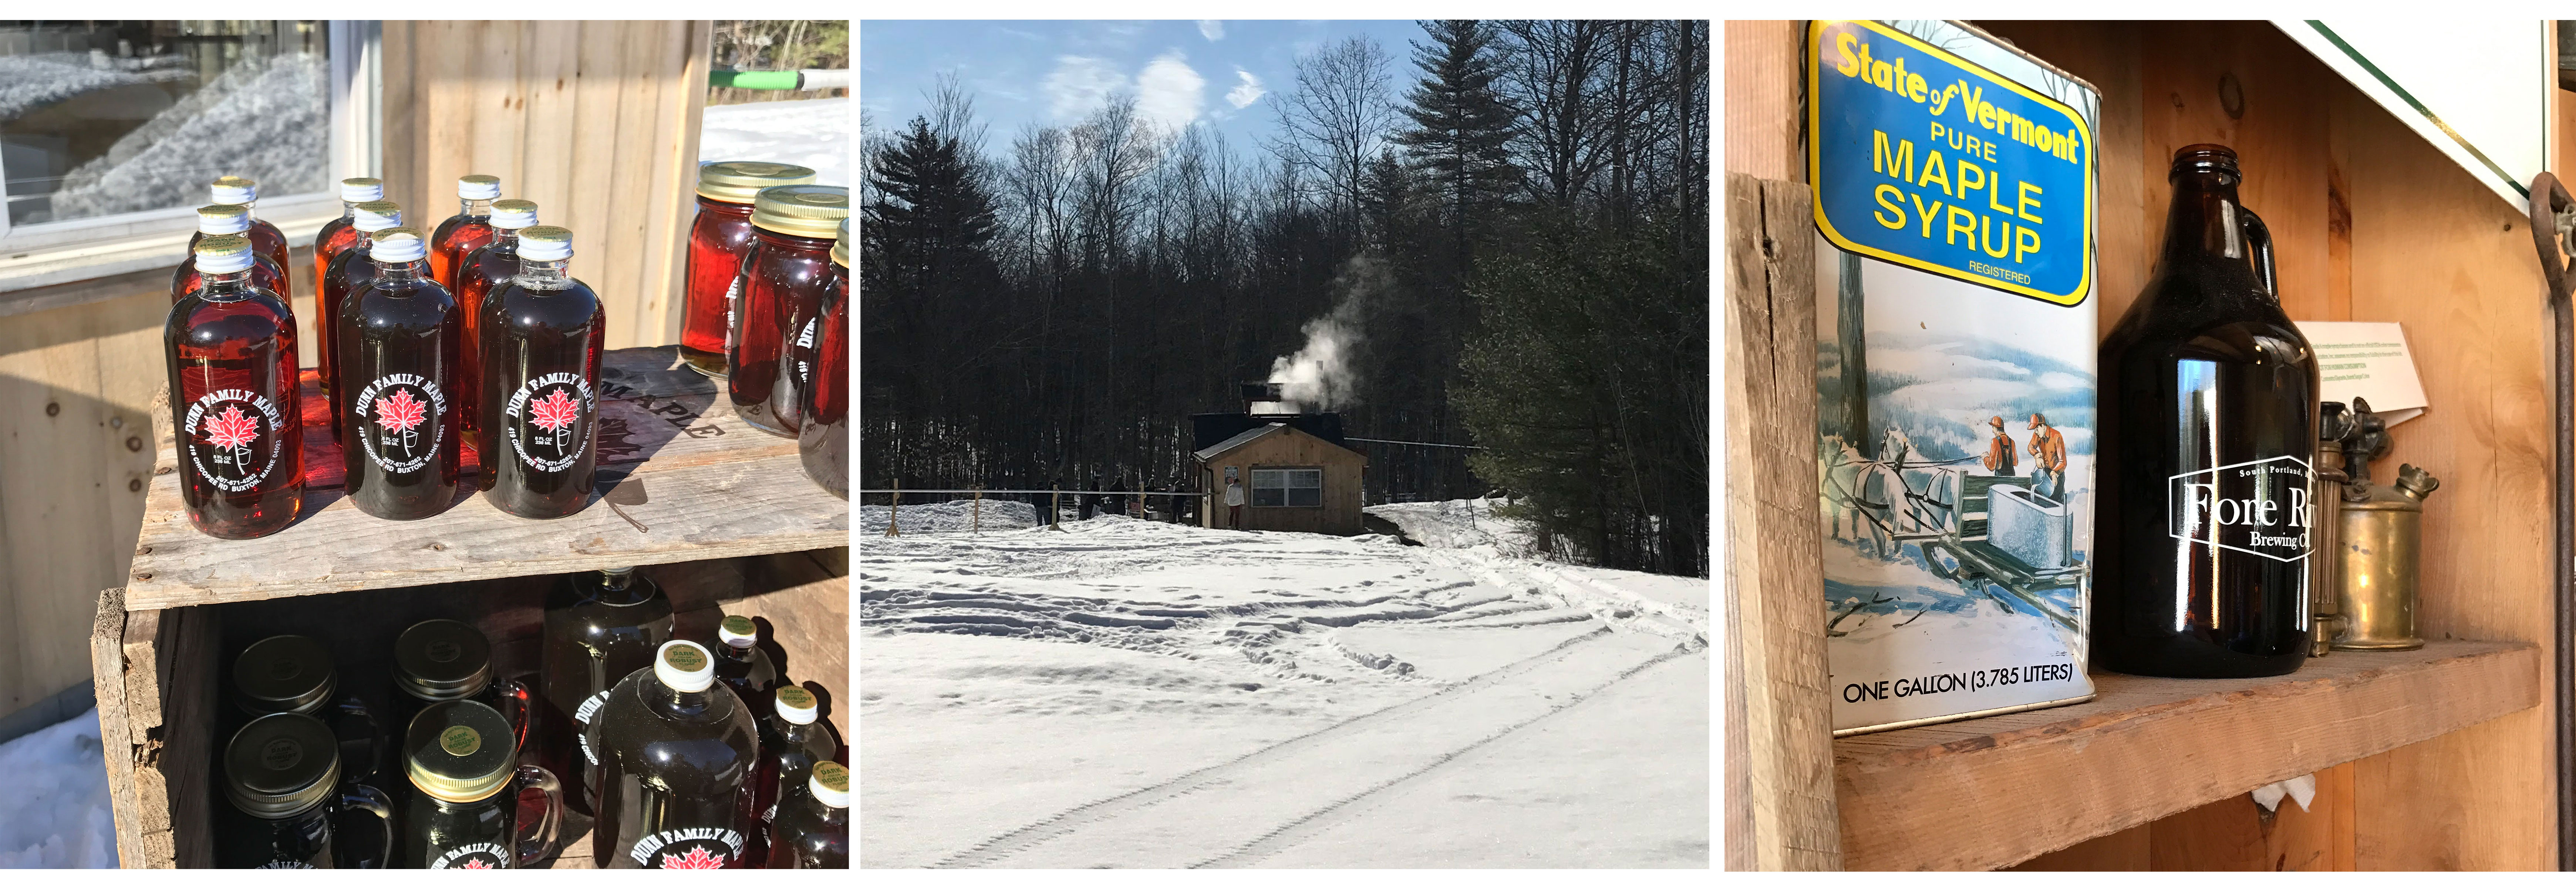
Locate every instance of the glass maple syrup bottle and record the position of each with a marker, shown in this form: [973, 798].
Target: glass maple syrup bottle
[793, 739]
[823, 439]
[398, 358]
[542, 334]
[231, 350]
[744, 666]
[600, 627]
[717, 242]
[486, 266]
[469, 229]
[265, 239]
[285, 795]
[227, 220]
[813, 832]
[676, 753]
[783, 278]
[338, 233]
[465, 810]
[296, 674]
[347, 272]
[443, 659]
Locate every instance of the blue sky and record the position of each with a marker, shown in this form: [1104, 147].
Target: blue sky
[1054, 72]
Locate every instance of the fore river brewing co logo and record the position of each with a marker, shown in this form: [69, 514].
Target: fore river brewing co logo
[2258, 507]
[690, 848]
[234, 450]
[545, 421]
[399, 418]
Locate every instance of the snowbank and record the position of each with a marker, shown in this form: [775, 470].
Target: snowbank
[1459, 524]
[58, 796]
[945, 518]
[814, 133]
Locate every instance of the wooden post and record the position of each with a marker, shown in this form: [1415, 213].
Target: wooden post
[978, 510]
[894, 509]
[1779, 714]
[1055, 507]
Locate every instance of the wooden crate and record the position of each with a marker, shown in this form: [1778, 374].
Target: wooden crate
[734, 528]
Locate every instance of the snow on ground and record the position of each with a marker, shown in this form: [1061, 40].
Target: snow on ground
[952, 516]
[814, 133]
[1131, 693]
[1459, 524]
[58, 787]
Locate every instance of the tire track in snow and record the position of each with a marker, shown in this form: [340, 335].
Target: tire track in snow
[1222, 811]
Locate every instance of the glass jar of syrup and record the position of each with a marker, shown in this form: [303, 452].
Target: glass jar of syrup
[744, 666]
[295, 674]
[600, 627]
[468, 229]
[783, 279]
[231, 350]
[676, 752]
[813, 831]
[349, 270]
[542, 335]
[464, 810]
[792, 740]
[443, 659]
[341, 232]
[398, 359]
[265, 239]
[228, 220]
[284, 799]
[485, 267]
[717, 242]
[823, 440]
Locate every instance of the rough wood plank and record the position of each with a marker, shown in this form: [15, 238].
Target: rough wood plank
[1775, 577]
[107, 675]
[668, 192]
[711, 487]
[144, 671]
[1765, 103]
[2126, 850]
[173, 783]
[2235, 834]
[1996, 791]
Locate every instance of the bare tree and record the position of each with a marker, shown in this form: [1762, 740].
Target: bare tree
[1336, 120]
[1553, 78]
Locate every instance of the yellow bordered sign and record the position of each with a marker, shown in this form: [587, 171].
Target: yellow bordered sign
[1924, 159]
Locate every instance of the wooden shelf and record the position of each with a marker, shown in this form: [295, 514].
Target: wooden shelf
[1990, 792]
[681, 464]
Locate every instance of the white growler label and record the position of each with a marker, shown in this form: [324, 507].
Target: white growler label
[547, 421]
[2259, 507]
[401, 416]
[226, 445]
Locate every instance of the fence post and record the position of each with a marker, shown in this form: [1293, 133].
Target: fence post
[894, 509]
[1055, 508]
[979, 508]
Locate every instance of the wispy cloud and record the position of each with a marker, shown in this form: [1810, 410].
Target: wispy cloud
[1212, 29]
[1247, 91]
[1169, 92]
[1078, 84]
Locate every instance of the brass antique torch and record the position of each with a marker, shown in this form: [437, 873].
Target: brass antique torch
[2325, 575]
[2381, 529]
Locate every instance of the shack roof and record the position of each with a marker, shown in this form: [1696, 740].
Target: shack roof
[1227, 446]
[1210, 429]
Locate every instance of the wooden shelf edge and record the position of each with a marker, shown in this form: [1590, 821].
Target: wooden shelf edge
[1990, 792]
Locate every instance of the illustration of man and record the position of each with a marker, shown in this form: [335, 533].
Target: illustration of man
[2048, 455]
[2000, 454]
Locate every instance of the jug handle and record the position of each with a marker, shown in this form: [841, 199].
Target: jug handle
[2259, 239]
[361, 797]
[532, 849]
[518, 705]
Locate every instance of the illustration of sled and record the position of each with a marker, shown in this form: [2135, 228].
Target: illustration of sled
[1987, 533]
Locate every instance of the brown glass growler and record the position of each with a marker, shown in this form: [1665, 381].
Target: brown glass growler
[744, 666]
[600, 627]
[717, 241]
[792, 740]
[468, 229]
[346, 274]
[542, 335]
[443, 659]
[232, 355]
[265, 239]
[284, 797]
[676, 753]
[398, 359]
[812, 832]
[2208, 427]
[823, 439]
[295, 674]
[484, 268]
[464, 808]
[783, 278]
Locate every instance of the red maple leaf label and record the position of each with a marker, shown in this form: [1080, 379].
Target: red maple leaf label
[554, 411]
[696, 859]
[401, 413]
[231, 429]
[475, 864]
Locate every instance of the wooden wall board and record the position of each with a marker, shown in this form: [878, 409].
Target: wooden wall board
[1765, 101]
[1993, 792]
[1775, 577]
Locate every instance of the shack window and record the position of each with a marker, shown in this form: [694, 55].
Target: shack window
[1288, 487]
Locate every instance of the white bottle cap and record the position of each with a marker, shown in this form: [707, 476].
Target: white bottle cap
[514, 214]
[478, 186]
[545, 243]
[236, 191]
[361, 189]
[222, 220]
[738, 632]
[684, 666]
[395, 245]
[223, 254]
[830, 784]
[376, 215]
[796, 705]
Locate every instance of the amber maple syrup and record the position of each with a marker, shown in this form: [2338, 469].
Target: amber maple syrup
[265, 239]
[718, 240]
[542, 334]
[823, 440]
[398, 358]
[228, 220]
[348, 270]
[783, 279]
[485, 267]
[469, 229]
[232, 356]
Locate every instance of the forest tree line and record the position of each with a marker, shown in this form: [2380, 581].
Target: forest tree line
[1504, 235]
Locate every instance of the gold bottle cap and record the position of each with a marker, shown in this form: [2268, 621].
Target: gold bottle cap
[289, 672]
[395, 245]
[281, 765]
[514, 214]
[223, 219]
[545, 243]
[232, 190]
[813, 212]
[361, 189]
[741, 182]
[459, 751]
[441, 659]
[796, 705]
[478, 186]
[737, 631]
[377, 215]
[841, 245]
[830, 784]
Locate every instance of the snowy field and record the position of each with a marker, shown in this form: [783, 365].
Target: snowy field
[814, 133]
[58, 790]
[1137, 694]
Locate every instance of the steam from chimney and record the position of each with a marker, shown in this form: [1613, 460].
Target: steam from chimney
[1320, 376]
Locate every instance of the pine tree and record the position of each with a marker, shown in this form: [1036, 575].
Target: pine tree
[926, 237]
[1462, 127]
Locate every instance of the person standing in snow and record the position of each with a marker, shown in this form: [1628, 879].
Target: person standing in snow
[2000, 454]
[1233, 502]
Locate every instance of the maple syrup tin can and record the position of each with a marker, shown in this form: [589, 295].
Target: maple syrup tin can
[1956, 358]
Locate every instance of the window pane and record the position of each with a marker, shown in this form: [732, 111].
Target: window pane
[1269, 497]
[108, 117]
[1306, 478]
[1268, 478]
[1305, 497]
